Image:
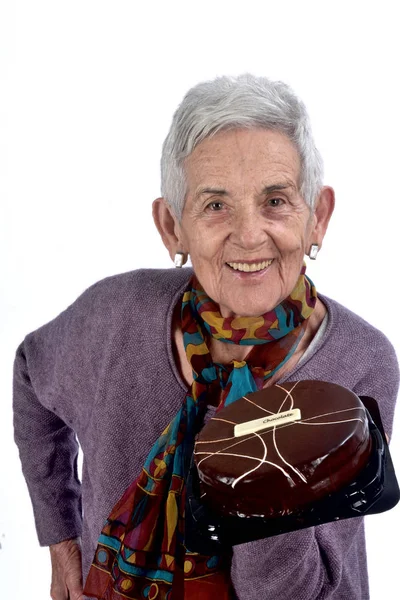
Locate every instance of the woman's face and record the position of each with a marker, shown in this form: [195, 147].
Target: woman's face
[245, 224]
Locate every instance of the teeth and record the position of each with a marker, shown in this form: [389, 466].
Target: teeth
[250, 268]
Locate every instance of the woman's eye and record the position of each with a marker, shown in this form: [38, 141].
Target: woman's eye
[275, 201]
[215, 206]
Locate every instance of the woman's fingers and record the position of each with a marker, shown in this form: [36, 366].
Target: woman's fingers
[66, 580]
[74, 584]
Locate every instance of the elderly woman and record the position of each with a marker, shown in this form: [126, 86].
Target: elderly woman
[131, 367]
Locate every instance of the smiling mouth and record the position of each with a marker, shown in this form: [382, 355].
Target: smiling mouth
[250, 267]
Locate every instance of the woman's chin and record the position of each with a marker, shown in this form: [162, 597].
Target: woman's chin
[249, 294]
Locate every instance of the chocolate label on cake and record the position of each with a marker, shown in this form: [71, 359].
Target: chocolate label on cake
[281, 418]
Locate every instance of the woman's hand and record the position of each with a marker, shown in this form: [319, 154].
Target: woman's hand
[66, 564]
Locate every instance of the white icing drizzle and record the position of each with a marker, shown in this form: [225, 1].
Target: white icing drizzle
[260, 407]
[215, 441]
[330, 422]
[227, 448]
[258, 466]
[224, 420]
[259, 460]
[335, 412]
[284, 460]
[302, 422]
[263, 460]
[288, 395]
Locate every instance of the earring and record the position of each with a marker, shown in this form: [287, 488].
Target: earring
[179, 260]
[313, 251]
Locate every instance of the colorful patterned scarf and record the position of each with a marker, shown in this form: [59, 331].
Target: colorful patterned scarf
[141, 551]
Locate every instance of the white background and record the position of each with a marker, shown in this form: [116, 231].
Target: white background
[87, 92]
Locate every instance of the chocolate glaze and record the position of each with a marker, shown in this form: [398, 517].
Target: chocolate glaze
[306, 460]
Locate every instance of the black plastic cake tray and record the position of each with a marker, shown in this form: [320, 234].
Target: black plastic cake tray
[374, 491]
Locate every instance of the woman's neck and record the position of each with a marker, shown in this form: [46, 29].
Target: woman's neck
[224, 353]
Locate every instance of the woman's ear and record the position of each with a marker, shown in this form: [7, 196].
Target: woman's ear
[168, 226]
[323, 210]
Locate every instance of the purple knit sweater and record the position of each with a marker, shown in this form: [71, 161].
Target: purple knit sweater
[104, 371]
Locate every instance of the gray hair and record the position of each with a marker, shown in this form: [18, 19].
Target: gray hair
[227, 102]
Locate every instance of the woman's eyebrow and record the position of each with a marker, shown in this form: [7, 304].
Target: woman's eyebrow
[268, 189]
[208, 190]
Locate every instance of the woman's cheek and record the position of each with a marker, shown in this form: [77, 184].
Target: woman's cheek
[287, 241]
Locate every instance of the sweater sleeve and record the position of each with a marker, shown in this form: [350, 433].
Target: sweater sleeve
[56, 371]
[310, 564]
[381, 380]
[48, 451]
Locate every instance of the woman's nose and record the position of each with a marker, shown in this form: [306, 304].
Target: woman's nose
[248, 229]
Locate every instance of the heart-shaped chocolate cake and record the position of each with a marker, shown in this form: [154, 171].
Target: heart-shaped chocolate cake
[275, 451]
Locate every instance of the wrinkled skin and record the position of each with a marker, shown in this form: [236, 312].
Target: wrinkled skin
[66, 563]
[244, 205]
